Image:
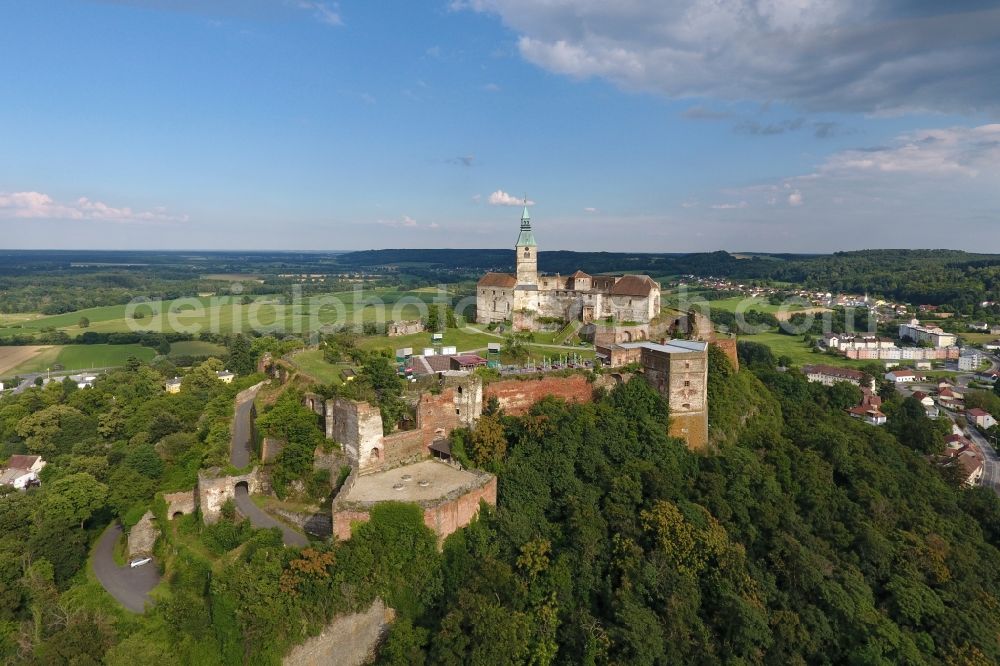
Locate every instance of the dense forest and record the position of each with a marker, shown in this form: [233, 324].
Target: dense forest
[808, 537]
[57, 282]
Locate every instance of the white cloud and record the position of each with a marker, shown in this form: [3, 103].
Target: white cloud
[961, 151]
[795, 198]
[851, 55]
[491, 87]
[36, 205]
[324, 12]
[589, 209]
[501, 198]
[407, 222]
[731, 206]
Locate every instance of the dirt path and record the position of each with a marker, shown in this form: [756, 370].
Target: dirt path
[12, 357]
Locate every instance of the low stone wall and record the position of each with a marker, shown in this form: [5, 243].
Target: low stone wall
[183, 503]
[398, 328]
[142, 537]
[270, 449]
[315, 522]
[349, 640]
[516, 396]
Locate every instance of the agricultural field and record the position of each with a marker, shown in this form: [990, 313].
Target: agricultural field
[12, 358]
[227, 314]
[761, 305]
[79, 357]
[197, 348]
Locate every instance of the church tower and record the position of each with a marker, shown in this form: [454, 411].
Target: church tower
[527, 253]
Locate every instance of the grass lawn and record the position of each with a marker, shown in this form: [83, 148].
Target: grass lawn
[978, 338]
[793, 347]
[758, 304]
[453, 337]
[310, 362]
[83, 357]
[197, 348]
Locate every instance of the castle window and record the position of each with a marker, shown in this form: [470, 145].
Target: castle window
[686, 383]
[686, 405]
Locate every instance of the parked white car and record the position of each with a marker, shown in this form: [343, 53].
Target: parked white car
[140, 562]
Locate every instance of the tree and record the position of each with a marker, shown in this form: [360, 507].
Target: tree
[163, 348]
[241, 355]
[55, 430]
[74, 498]
[84, 322]
[489, 443]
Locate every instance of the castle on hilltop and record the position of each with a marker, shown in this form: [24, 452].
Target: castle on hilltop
[526, 295]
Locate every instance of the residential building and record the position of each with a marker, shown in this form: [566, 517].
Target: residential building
[970, 360]
[829, 375]
[930, 334]
[225, 376]
[173, 385]
[21, 471]
[903, 376]
[980, 418]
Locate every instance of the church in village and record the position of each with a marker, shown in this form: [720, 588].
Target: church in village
[526, 296]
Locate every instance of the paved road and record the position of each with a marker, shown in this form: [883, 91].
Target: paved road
[239, 456]
[260, 519]
[991, 466]
[129, 586]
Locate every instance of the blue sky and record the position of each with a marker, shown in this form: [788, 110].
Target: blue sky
[301, 124]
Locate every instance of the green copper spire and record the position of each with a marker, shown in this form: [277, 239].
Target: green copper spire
[526, 238]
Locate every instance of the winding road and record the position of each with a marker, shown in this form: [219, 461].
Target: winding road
[239, 456]
[130, 587]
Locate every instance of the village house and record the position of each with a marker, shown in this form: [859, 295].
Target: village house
[173, 385]
[225, 376]
[21, 471]
[960, 452]
[903, 376]
[980, 418]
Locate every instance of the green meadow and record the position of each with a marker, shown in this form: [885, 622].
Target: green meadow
[83, 357]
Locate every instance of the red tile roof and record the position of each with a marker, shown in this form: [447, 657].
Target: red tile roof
[633, 285]
[502, 280]
[21, 462]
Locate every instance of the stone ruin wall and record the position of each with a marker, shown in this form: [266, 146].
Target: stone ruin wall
[516, 396]
[453, 514]
[214, 491]
[399, 328]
